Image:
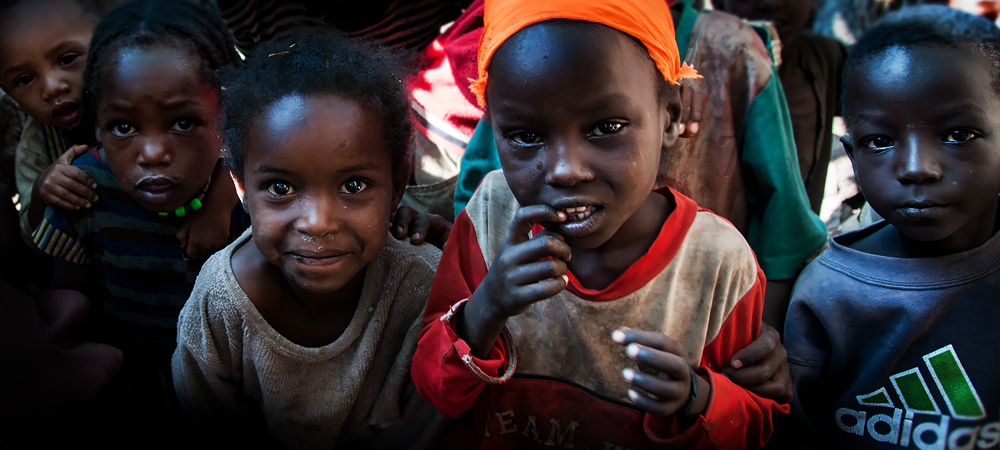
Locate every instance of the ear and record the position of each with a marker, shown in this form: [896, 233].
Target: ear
[97, 134]
[671, 105]
[398, 189]
[240, 191]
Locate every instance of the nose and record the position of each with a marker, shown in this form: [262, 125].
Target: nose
[55, 86]
[917, 162]
[319, 215]
[567, 164]
[154, 153]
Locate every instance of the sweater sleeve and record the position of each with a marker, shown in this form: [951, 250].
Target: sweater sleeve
[735, 418]
[442, 361]
[210, 395]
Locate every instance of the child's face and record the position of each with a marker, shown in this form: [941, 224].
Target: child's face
[579, 125]
[925, 141]
[157, 122]
[43, 51]
[319, 188]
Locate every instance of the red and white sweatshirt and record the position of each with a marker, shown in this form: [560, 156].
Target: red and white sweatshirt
[699, 284]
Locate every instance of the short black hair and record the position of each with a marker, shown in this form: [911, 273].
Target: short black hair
[320, 61]
[152, 23]
[926, 25]
[89, 7]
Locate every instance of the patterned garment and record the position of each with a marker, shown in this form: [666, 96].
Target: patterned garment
[145, 275]
[39, 147]
[698, 284]
[398, 23]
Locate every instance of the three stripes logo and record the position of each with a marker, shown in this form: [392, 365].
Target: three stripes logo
[918, 419]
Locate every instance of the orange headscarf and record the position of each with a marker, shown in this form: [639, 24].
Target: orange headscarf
[649, 21]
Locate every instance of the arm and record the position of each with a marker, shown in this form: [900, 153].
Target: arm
[460, 348]
[204, 233]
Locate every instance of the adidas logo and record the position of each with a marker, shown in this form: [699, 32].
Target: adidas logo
[932, 430]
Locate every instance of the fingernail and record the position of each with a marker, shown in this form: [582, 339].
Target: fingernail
[93, 185]
[633, 395]
[87, 206]
[737, 364]
[694, 127]
[416, 236]
[632, 351]
[562, 215]
[628, 374]
[681, 128]
[565, 279]
[399, 229]
[618, 336]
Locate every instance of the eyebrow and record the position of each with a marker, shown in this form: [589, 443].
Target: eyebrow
[112, 107]
[270, 169]
[520, 114]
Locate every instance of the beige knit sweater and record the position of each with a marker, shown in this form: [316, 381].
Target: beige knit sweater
[242, 384]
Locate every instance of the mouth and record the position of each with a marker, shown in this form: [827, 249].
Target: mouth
[156, 189]
[581, 218]
[923, 209]
[318, 257]
[67, 113]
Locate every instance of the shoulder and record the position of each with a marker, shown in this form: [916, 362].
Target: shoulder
[493, 199]
[719, 241]
[423, 258]
[91, 164]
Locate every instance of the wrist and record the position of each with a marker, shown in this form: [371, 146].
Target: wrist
[701, 398]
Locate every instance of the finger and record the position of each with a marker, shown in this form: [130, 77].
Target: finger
[527, 217]
[659, 388]
[78, 184]
[439, 231]
[762, 346]
[539, 291]
[418, 230]
[668, 364]
[645, 403]
[697, 105]
[401, 221]
[72, 153]
[685, 102]
[59, 196]
[653, 339]
[541, 246]
[534, 272]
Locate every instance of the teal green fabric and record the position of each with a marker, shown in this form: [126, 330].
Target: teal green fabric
[782, 230]
[685, 27]
[479, 159]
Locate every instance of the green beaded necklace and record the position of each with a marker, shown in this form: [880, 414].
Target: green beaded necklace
[183, 210]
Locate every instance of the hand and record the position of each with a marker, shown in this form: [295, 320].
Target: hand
[762, 367]
[662, 385]
[431, 228]
[64, 185]
[524, 271]
[204, 232]
[692, 102]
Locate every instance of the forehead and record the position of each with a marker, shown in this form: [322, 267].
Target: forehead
[32, 24]
[314, 127]
[151, 73]
[921, 80]
[559, 56]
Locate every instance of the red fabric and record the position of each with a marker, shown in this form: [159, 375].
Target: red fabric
[734, 419]
[441, 87]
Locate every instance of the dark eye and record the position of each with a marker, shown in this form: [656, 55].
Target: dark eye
[606, 128]
[68, 58]
[184, 125]
[122, 129]
[353, 187]
[280, 188]
[526, 137]
[959, 136]
[23, 80]
[879, 142]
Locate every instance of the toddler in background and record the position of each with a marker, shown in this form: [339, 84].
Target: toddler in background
[44, 48]
[151, 90]
[892, 332]
[624, 303]
[301, 331]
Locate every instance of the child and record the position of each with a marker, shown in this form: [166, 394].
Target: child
[307, 322]
[620, 292]
[43, 51]
[892, 332]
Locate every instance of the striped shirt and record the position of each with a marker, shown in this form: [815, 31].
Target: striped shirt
[145, 275]
[395, 23]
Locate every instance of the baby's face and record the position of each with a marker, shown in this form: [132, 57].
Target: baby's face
[157, 122]
[43, 51]
[579, 126]
[318, 184]
[925, 135]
